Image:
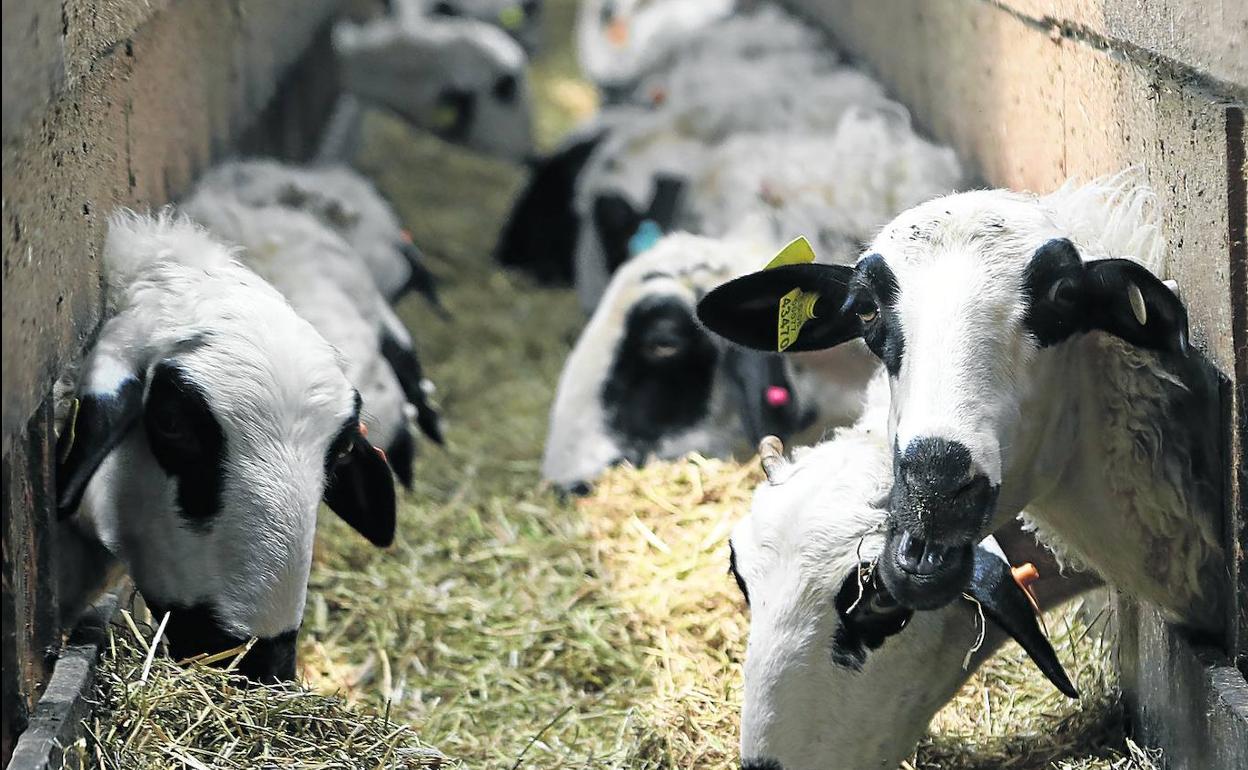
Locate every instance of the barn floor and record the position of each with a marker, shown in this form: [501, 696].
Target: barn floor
[513, 630]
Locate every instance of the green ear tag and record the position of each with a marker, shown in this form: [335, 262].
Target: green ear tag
[511, 17]
[798, 252]
[70, 430]
[796, 308]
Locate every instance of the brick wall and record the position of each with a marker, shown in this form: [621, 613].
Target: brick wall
[107, 103]
[1031, 92]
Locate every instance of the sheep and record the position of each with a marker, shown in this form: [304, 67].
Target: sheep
[618, 40]
[837, 673]
[522, 19]
[643, 380]
[622, 175]
[347, 203]
[208, 422]
[326, 283]
[1036, 360]
[462, 79]
[837, 189]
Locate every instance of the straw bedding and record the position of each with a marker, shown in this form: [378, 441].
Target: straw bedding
[509, 628]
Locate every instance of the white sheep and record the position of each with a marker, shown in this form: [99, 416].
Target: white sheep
[1036, 360]
[617, 41]
[209, 421]
[644, 380]
[838, 674]
[838, 189]
[462, 79]
[675, 142]
[345, 201]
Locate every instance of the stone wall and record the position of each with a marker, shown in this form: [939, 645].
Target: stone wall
[109, 103]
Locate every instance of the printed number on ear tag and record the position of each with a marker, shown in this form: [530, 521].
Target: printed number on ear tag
[796, 308]
[798, 252]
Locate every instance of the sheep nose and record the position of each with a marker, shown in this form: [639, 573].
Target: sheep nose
[921, 557]
[936, 467]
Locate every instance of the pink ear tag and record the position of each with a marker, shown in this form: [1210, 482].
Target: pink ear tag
[777, 396]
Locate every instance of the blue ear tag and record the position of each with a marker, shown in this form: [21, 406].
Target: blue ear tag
[647, 234]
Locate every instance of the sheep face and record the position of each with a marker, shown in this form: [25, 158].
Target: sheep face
[211, 423]
[465, 81]
[838, 674]
[645, 380]
[967, 300]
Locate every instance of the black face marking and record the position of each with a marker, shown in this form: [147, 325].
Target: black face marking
[194, 630]
[540, 233]
[873, 297]
[756, 763]
[462, 106]
[101, 422]
[732, 569]
[187, 442]
[443, 9]
[874, 617]
[660, 381]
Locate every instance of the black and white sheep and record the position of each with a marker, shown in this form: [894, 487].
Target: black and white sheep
[327, 283]
[838, 674]
[209, 422]
[1036, 360]
[644, 380]
[461, 79]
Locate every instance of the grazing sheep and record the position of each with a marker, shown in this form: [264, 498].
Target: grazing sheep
[462, 79]
[343, 200]
[623, 175]
[838, 189]
[838, 674]
[209, 423]
[522, 19]
[644, 380]
[1037, 361]
[327, 284]
[617, 41]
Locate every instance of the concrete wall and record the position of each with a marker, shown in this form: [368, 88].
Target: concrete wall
[1031, 92]
[108, 103]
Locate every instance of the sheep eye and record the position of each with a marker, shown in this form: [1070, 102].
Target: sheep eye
[171, 427]
[882, 603]
[868, 314]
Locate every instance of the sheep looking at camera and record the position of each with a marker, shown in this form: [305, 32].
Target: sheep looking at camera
[1037, 360]
[209, 422]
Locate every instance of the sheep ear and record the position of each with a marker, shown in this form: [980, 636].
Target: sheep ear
[749, 310]
[1067, 296]
[101, 419]
[1125, 299]
[361, 491]
[766, 398]
[615, 221]
[1005, 603]
[407, 368]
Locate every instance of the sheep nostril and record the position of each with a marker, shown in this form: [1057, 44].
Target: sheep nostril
[506, 88]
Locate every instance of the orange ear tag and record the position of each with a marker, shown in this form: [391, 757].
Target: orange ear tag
[1025, 575]
[617, 32]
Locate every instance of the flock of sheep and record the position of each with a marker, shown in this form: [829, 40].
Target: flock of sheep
[950, 364]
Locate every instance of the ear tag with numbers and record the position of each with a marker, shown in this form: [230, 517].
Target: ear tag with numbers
[796, 308]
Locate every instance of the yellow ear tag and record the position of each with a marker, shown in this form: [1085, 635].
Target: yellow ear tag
[70, 430]
[796, 308]
[798, 252]
[511, 17]
[444, 117]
